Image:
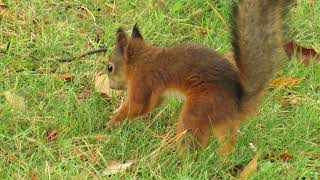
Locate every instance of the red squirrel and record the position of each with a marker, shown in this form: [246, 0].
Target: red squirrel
[219, 95]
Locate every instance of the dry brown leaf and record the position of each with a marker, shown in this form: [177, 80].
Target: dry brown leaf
[3, 6]
[251, 168]
[67, 77]
[101, 84]
[202, 33]
[115, 167]
[33, 176]
[285, 156]
[291, 101]
[161, 3]
[16, 102]
[285, 82]
[51, 134]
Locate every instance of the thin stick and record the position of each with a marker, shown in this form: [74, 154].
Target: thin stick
[83, 55]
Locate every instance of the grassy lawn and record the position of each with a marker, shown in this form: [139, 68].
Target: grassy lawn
[38, 32]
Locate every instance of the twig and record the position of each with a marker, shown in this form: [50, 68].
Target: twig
[83, 55]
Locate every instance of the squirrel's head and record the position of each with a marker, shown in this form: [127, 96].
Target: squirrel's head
[124, 54]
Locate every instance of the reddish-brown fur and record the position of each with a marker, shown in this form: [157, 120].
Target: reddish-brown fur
[191, 70]
[217, 99]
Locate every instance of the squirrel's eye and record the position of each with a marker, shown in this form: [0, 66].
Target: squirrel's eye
[110, 68]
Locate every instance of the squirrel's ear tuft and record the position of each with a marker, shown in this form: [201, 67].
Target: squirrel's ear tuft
[122, 40]
[120, 30]
[136, 33]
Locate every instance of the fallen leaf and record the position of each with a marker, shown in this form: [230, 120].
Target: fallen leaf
[251, 168]
[291, 101]
[272, 157]
[115, 167]
[285, 156]
[51, 134]
[16, 102]
[33, 176]
[3, 6]
[203, 33]
[67, 77]
[304, 55]
[161, 3]
[101, 84]
[285, 82]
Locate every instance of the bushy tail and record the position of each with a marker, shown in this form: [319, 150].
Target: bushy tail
[257, 38]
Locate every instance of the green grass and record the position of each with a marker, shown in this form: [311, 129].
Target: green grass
[41, 31]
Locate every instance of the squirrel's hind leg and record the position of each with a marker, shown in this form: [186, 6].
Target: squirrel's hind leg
[226, 134]
[193, 127]
[198, 120]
